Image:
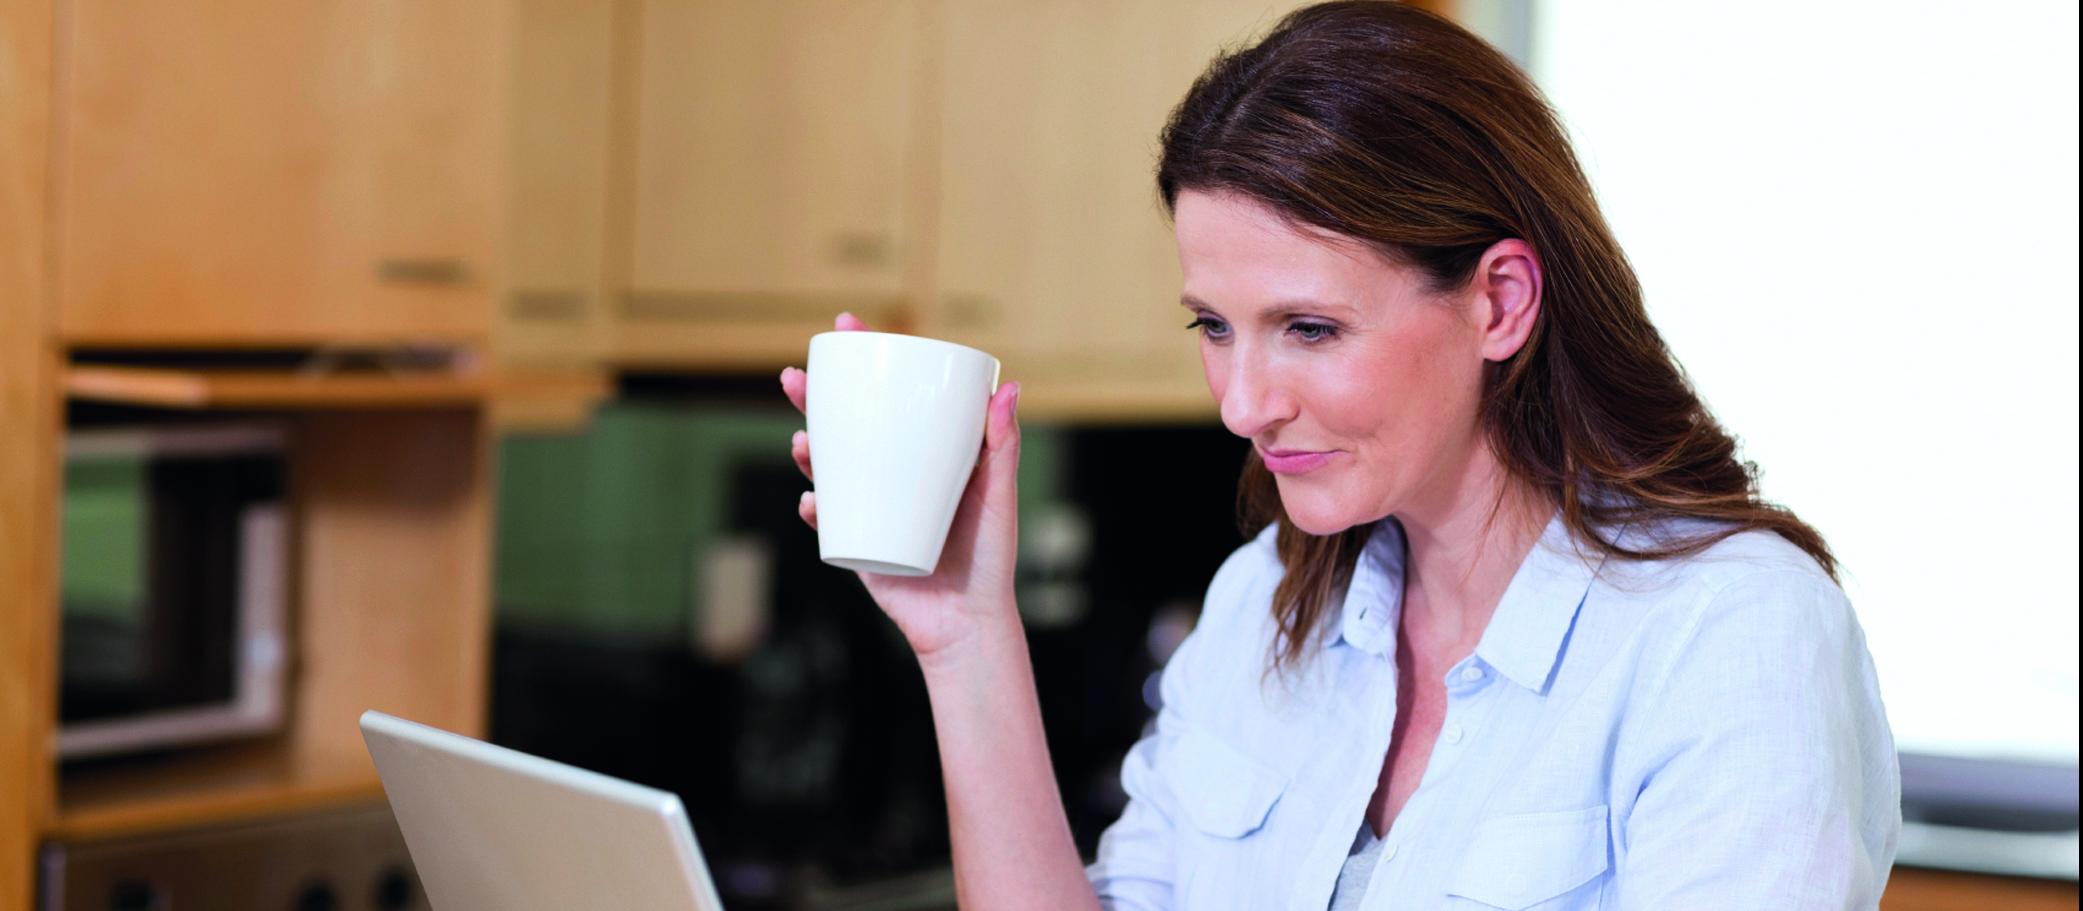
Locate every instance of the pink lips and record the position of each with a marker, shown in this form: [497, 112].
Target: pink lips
[1283, 461]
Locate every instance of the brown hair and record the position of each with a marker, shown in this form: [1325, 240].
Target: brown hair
[1387, 124]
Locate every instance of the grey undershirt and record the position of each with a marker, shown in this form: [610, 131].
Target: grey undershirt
[1358, 869]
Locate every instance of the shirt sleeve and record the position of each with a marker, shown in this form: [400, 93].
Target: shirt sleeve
[1766, 772]
[1133, 869]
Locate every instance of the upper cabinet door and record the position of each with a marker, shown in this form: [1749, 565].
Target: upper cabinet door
[1054, 249]
[772, 159]
[253, 172]
[563, 103]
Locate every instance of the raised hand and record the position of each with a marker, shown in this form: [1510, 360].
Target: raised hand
[973, 584]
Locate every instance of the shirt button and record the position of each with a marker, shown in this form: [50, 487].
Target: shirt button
[1471, 673]
[1452, 734]
[1387, 852]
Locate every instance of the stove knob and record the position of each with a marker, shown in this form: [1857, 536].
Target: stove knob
[135, 895]
[318, 897]
[394, 890]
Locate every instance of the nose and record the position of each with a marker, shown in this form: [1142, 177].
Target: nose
[1253, 398]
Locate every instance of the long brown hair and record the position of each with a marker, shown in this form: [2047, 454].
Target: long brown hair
[1387, 124]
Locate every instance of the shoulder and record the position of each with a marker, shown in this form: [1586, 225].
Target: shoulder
[1748, 561]
[1750, 597]
[1230, 639]
[1751, 650]
[1242, 587]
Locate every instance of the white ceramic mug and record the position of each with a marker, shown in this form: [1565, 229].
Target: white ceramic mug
[896, 426]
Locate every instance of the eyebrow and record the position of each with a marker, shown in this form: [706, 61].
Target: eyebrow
[1280, 310]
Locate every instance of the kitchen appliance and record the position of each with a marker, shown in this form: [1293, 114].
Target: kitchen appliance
[174, 587]
[346, 859]
[664, 617]
[491, 827]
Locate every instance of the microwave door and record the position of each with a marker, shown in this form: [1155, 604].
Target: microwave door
[192, 648]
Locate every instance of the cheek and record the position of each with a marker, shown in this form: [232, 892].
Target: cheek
[1373, 395]
[1215, 369]
[1401, 402]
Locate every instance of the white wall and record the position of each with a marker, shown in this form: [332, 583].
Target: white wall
[1857, 226]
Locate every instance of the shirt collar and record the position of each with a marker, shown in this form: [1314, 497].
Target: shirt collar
[1373, 599]
[1525, 635]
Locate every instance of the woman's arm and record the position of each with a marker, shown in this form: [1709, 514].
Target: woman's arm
[1012, 841]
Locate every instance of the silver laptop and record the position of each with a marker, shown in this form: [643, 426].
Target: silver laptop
[492, 829]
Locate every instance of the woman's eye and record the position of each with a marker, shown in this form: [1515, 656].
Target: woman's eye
[1313, 332]
[1310, 333]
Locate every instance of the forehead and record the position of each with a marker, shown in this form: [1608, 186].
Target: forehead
[1236, 250]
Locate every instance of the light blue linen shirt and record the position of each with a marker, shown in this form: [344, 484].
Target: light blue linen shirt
[1699, 733]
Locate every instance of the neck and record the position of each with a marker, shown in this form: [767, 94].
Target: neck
[1466, 542]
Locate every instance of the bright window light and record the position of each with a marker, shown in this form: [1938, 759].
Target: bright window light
[1856, 223]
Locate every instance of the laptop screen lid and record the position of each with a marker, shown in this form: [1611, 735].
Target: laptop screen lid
[493, 828]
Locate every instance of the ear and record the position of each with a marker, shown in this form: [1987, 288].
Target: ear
[1506, 294]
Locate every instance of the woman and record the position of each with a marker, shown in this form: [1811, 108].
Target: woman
[1517, 631]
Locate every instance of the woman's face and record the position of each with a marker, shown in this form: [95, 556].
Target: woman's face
[1314, 343]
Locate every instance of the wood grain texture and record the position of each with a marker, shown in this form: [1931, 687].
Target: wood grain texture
[204, 787]
[1450, 9]
[1912, 889]
[394, 567]
[770, 140]
[556, 389]
[562, 114]
[392, 613]
[29, 448]
[249, 171]
[237, 175]
[1053, 249]
[233, 388]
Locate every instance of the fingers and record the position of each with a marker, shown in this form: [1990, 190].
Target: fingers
[1002, 423]
[1001, 459]
[794, 384]
[799, 449]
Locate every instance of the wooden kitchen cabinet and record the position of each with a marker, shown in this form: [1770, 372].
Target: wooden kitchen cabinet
[1913, 889]
[186, 183]
[257, 173]
[554, 315]
[978, 170]
[769, 153]
[1054, 251]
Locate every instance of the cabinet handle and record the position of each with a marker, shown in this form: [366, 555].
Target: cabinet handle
[547, 306]
[968, 310]
[429, 271]
[862, 249]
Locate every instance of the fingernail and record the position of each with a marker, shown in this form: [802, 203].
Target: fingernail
[803, 500]
[1016, 398]
[784, 373]
[796, 439]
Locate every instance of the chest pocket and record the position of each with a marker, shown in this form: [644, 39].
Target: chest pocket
[1516, 862]
[1221, 791]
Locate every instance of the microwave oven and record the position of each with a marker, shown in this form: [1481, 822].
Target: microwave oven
[174, 561]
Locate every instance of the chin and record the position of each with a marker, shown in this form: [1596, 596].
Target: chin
[1319, 513]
